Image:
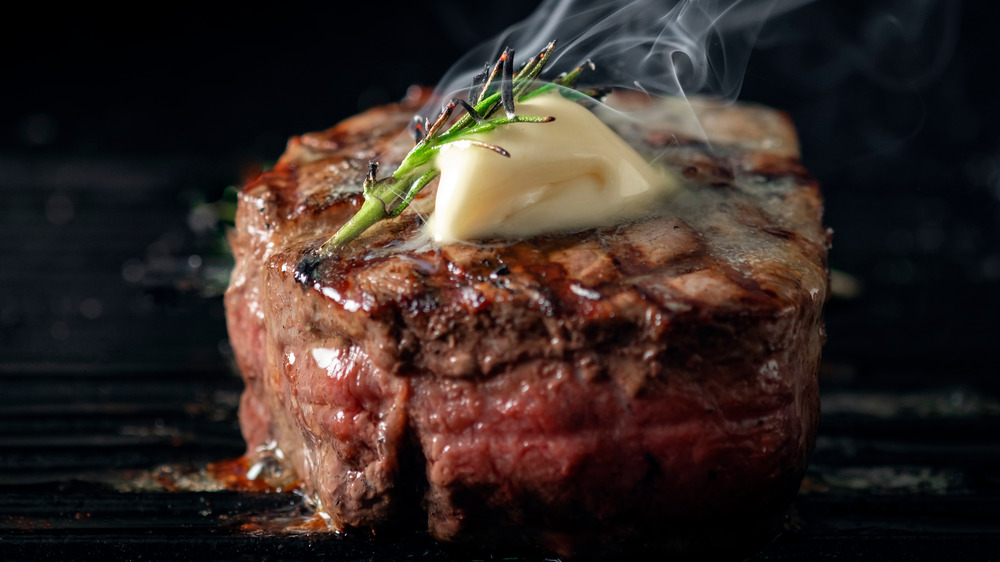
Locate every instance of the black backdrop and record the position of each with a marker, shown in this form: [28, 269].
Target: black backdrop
[908, 154]
[116, 123]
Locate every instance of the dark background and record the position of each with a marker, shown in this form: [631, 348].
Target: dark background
[902, 134]
[117, 125]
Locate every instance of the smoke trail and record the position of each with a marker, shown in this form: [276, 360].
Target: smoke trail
[679, 47]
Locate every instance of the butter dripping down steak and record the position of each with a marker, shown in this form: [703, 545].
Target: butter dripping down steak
[645, 386]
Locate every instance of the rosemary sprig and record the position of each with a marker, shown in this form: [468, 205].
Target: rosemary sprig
[388, 196]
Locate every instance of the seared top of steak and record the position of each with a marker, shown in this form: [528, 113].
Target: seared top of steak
[740, 243]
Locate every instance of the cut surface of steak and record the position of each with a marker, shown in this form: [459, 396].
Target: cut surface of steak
[649, 385]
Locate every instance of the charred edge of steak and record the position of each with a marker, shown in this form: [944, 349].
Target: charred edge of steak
[305, 271]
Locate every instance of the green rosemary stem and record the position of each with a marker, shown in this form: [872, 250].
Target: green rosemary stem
[415, 186]
[371, 211]
[389, 196]
[484, 108]
[419, 156]
[524, 78]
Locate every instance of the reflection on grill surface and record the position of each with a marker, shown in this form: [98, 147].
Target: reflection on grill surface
[117, 393]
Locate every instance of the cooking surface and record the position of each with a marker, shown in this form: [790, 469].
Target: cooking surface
[115, 369]
[111, 411]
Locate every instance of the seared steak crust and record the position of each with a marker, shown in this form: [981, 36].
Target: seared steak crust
[633, 382]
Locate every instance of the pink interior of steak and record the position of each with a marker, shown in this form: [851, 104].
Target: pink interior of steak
[598, 384]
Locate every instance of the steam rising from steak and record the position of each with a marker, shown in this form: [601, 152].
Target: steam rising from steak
[649, 385]
[678, 47]
[701, 47]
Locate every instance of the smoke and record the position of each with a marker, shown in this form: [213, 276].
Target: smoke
[702, 47]
[663, 47]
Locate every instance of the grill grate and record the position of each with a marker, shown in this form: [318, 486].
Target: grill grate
[117, 392]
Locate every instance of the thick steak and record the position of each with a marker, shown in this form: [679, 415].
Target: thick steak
[649, 385]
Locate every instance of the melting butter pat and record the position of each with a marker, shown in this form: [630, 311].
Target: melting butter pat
[568, 174]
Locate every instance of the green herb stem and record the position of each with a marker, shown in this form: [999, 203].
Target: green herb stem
[389, 196]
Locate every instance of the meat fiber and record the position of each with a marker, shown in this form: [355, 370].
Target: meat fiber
[648, 386]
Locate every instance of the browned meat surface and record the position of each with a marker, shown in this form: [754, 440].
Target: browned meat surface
[642, 386]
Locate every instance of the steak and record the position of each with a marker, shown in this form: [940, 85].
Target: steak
[648, 386]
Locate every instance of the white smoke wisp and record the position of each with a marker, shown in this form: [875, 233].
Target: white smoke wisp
[698, 50]
[663, 47]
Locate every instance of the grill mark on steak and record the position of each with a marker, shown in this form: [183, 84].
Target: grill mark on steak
[602, 385]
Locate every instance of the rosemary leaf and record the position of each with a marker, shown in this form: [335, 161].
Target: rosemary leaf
[388, 197]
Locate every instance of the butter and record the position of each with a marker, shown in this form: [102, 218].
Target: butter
[569, 174]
